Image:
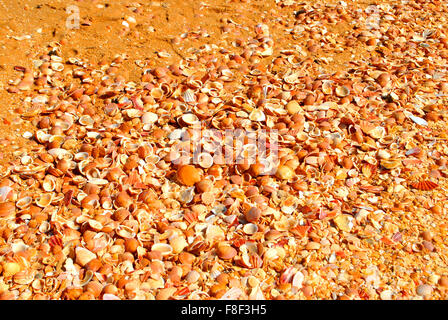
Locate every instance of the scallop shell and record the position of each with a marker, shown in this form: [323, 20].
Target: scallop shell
[424, 185]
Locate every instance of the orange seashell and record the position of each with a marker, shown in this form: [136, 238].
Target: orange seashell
[7, 209]
[226, 252]
[368, 170]
[300, 230]
[424, 185]
[188, 175]
[191, 216]
[373, 189]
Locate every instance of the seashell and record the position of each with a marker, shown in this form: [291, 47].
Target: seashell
[110, 296]
[186, 196]
[98, 181]
[42, 137]
[44, 200]
[343, 222]
[377, 132]
[253, 215]
[86, 120]
[390, 164]
[250, 228]
[26, 160]
[149, 117]
[189, 96]
[327, 87]
[80, 156]
[7, 209]
[257, 115]
[178, 244]
[368, 169]
[24, 277]
[342, 91]
[285, 173]
[60, 153]
[10, 269]
[132, 113]
[226, 252]
[49, 183]
[163, 248]
[285, 224]
[57, 66]
[125, 232]
[232, 294]
[383, 154]
[205, 160]
[156, 93]
[84, 256]
[44, 227]
[214, 233]
[24, 202]
[424, 185]
[188, 175]
[189, 119]
[6, 193]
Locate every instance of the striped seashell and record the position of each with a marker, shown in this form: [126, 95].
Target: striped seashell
[424, 185]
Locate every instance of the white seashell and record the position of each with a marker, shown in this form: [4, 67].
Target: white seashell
[257, 115]
[189, 119]
[98, 181]
[232, 294]
[24, 202]
[250, 228]
[60, 153]
[378, 132]
[163, 248]
[86, 120]
[49, 183]
[44, 200]
[205, 160]
[149, 117]
[57, 66]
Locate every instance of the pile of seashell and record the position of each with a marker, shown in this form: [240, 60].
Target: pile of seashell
[109, 206]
